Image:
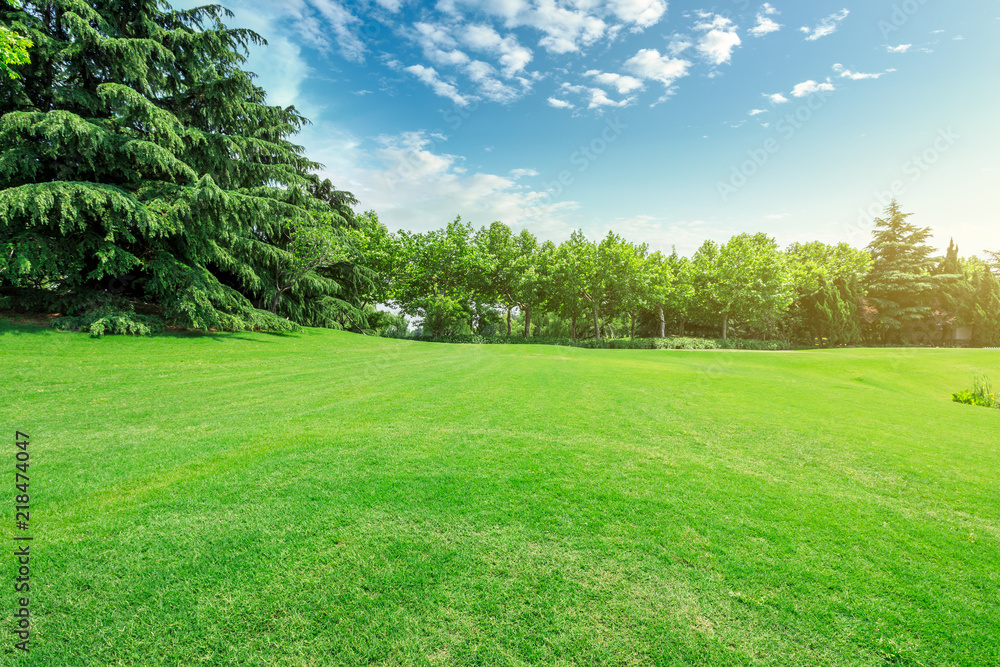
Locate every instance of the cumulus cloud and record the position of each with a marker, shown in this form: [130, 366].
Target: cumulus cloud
[902, 48]
[757, 112]
[620, 82]
[512, 56]
[765, 24]
[650, 65]
[807, 88]
[413, 184]
[560, 104]
[641, 13]
[719, 40]
[825, 27]
[776, 98]
[595, 98]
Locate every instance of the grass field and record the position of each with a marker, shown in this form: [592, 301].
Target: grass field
[331, 499]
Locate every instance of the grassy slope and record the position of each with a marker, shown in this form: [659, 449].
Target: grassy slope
[331, 499]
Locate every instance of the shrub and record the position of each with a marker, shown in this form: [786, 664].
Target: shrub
[677, 343]
[982, 394]
[110, 320]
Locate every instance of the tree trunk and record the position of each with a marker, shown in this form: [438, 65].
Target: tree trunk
[663, 323]
[274, 303]
[683, 322]
[508, 321]
[725, 325]
[597, 324]
[527, 321]
[632, 329]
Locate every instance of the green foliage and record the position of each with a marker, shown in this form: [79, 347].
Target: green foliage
[110, 319]
[140, 161]
[982, 394]
[672, 343]
[900, 284]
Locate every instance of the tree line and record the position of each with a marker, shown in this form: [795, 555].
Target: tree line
[459, 280]
[145, 181]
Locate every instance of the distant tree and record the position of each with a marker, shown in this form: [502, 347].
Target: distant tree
[496, 276]
[753, 284]
[567, 286]
[827, 287]
[662, 285]
[984, 304]
[681, 298]
[900, 284]
[582, 260]
[528, 284]
[704, 305]
[623, 277]
[433, 278]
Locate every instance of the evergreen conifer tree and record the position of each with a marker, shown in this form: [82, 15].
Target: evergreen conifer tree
[900, 283]
[142, 168]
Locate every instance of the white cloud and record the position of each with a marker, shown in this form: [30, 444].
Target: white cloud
[679, 44]
[776, 98]
[757, 112]
[809, 87]
[512, 57]
[489, 85]
[620, 82]
[856, 76]
[414, 185]
[902, 48]
[595, 97]
[719, 40]
[765, 24]
[560, 104]
[440, 87]
[649, 64]
[641, 13]
[391, 5]
[342, 22]
[599, 98]
[825, 27]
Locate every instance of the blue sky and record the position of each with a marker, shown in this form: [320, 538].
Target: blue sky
[669, 122]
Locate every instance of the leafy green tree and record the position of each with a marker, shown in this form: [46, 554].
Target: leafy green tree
[984, 305]
[752, 285]
[314, 243]
[142, 168]
[626, 276]
[567, 286]
[592, 283]
[434, 275]
[13, 47]
[900, 284]
[827, 289]
[662, 283]
[496, 279]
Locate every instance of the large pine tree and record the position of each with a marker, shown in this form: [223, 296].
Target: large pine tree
[141, 167]
[900, 284]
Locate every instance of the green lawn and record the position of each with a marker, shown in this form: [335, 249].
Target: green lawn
[331, 499]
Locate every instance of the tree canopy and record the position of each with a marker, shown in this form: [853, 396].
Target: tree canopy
[142, 169]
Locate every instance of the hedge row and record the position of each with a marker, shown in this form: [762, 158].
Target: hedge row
[676, 343]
